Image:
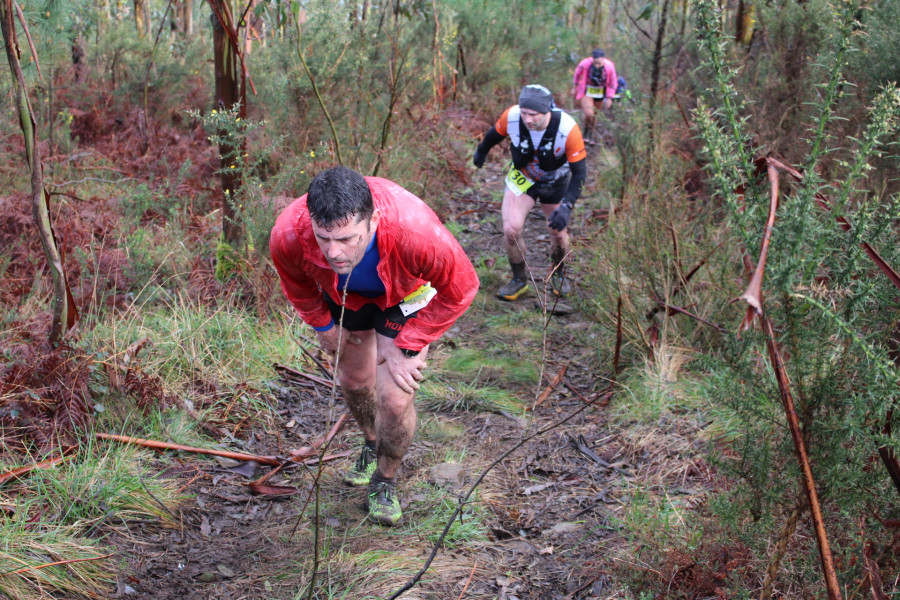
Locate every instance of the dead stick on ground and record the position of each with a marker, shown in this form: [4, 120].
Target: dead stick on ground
[45, 464]
[549, 389]
[307, 450]
[265, 460]
[320, 380]
[273, 461]
[53, 564]
[468, 581]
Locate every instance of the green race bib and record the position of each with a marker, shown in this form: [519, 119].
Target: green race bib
[517, 182]
[595, 92]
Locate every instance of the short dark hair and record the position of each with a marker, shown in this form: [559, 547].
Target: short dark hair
[337, 195]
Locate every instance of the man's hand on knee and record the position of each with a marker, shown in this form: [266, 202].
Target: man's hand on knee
[405, 371]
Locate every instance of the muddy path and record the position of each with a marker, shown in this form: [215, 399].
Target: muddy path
[543, 524]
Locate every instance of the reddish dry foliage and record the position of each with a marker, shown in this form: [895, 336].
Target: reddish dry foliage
[44, 397]
[703, 573]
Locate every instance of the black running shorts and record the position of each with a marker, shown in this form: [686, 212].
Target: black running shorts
[550, 193]
[388, 322]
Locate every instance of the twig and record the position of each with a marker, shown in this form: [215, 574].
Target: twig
[787, 533]
[319, 364]
[53, 564]
[45, 464]
[468, 581]
[175, 518]
[24, 23]
[464, 499]
[306, 450]
[156, 445]
[315, 86]
[283, 369]
[582, 588]
[618, 351]
[671, 308]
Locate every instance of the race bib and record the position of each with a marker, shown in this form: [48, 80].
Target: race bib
[595, 92]
[418, 300]
[517, 182]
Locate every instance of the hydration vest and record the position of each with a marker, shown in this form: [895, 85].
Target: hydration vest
[551, 152]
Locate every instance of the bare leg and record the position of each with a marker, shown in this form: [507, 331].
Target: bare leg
[587, 107]
[356, 374]
[395, 419]
[514, 211]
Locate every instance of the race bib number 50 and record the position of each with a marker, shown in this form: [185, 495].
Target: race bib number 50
[517, 182]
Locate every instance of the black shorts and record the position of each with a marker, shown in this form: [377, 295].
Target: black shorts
[550, 193]
[388, 322]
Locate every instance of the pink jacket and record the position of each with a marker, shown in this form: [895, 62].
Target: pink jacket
[580, 80]
[414, 246]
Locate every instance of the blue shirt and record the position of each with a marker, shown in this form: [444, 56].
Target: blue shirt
[364, 279]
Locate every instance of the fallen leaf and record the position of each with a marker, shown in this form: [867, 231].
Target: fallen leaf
[225, 571]
[547, 550]
[205, 529]
[247, 469]
[537, 488]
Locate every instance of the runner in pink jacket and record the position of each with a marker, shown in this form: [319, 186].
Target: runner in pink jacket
[595, 79]
[372, 270]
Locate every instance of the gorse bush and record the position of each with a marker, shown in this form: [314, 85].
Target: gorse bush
[832, 309]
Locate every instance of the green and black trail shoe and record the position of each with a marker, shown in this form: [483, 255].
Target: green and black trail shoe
[515, 289]
[384, 505]
[362, 471]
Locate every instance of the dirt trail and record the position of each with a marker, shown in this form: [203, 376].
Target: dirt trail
[549, 512]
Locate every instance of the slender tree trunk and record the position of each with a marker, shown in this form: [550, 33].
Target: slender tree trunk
[227, 96]
[63, 306]
[745, 21]
[141, 18]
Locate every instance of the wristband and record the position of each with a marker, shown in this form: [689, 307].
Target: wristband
[325, 328]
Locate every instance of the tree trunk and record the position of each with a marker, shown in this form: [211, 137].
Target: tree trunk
[141, 19]
[227, 97]
[63, 306]
[745, 21]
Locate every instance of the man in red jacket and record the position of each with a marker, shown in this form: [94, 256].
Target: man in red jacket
[371, 268]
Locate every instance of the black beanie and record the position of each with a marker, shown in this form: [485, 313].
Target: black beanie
[536, 98]
[598, 53]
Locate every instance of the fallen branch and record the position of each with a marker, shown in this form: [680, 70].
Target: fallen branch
[261, 459]
[306, 450]
[44, 464]
[53, 564]
[282, 370]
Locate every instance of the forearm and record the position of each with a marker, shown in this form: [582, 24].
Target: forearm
[490, 139]
[576, 183]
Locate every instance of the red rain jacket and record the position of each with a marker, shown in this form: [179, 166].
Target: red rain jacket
[414, 248]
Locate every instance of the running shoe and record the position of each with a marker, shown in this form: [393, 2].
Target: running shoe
[513, 290]
[384, 505]
[360, 474]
